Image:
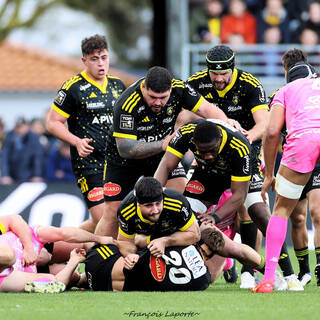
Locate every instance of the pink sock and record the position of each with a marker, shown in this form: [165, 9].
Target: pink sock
[228, 265]
[275, 236]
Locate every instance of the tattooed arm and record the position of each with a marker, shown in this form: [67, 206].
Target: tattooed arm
[133, 149]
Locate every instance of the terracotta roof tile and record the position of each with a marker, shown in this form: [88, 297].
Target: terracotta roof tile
[30, 69]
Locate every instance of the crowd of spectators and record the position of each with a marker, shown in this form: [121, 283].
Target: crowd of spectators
[238, 22]
[29, 153]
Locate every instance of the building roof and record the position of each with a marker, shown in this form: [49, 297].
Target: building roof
[31, 69]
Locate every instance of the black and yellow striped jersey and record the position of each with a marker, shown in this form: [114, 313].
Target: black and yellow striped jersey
[239, 100]
[175, 216]
[134, 119]
[233, 159]
[2, 228]
[88, 107]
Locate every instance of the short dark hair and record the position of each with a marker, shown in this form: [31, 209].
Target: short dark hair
[292, 56]
[205, 132]
[148, 190]
[96, 42]
[220, 58]
[158, 79]
[213, 238]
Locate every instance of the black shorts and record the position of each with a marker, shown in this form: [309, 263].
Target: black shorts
[99, 264]
[119, 181]
[313, 183]
[257, 179]
[91, 187]
[206, 186]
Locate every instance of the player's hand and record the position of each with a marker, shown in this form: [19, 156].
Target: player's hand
[166, 141]
[268, 182]
[78, 255]
[236, 124]
[157, 247]
[206, 218]
[130, 260]
[83, 147]
[29, 256]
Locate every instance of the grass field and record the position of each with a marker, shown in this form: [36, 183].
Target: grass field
[219, 301]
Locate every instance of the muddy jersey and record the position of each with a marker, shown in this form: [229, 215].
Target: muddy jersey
[233, 158]
[239, 100]
[175, 216]
[133, 119]
[88, 107]
[179, 269]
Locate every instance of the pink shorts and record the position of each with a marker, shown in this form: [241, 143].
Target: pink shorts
[301, 151]
[13, 241]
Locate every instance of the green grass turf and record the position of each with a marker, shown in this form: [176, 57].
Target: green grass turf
[219, 301]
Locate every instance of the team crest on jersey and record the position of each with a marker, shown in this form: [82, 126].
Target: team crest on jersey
[115, 94]
[195, 186]
[126, 122]
[60, 97]
[169, 111]
[235, 99]
[96, 194]
[111, 189]
[158, 268]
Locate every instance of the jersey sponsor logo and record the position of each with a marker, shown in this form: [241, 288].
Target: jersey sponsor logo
[176, 137]
[141, 109]
[145, 128]
[316, 180]
[191, 91]
[60, 97]
[96, 194]
[167, 120]
[195, 186]
[126, 122]
[262, 96]
[111, 189]
[158, 268]
[234, 108]
[246, 167]
[95, 105]
[205, 85]
[85, 87]
[194, 261]
[102, 119]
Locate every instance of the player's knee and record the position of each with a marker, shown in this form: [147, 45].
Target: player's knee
[298, 220]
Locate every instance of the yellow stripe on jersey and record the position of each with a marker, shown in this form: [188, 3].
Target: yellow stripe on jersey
[197, 106]
[177, 83]
[129, 211]
[189, 223]
[128, 236]
[102, 88]
[101, 254]
[66, 86]
[171, 208]
[224, 138]
[175, 152]
[249, 78]
[133, 99]
[188, 128]
[240, 179]
[124, 135]
[174, 201]
[64, 114]
[105, 251]
[240, 147]
[148, 239]
[113, 77]
[260, 107]
[2, 228]
[198, 75]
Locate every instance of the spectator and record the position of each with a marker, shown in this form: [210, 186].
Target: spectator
[210, 30]
[312, 23]
[238, 22]
[274, 15]
[2, 135]
[58, 165]
[309, 37]
[22, 155]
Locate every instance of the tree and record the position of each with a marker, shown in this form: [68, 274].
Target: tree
[11, 14]
[124, 20]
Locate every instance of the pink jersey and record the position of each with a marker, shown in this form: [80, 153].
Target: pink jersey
[301, 99]
[14, 242]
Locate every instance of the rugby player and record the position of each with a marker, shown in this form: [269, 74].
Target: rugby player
[86, 102]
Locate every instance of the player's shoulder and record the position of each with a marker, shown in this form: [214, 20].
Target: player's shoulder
[73, 83]
[173, 199]
[127, 206]
[115, 79]
[177, 83]
[248, 78]
[200, 75]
